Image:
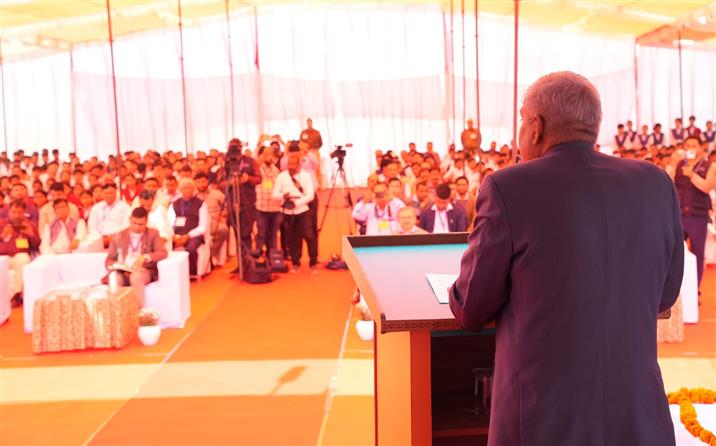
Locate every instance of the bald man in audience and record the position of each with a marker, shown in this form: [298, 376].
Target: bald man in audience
[407, 222]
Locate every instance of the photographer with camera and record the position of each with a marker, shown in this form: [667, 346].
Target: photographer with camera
[294, 189]
[244, 170]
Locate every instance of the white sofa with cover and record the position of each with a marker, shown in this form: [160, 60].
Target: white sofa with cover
[5, 297]
[169, 295]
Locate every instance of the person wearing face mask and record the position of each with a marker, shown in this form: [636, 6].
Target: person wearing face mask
[294, 190]
[443, 216]
[378, 211]
[574, 253]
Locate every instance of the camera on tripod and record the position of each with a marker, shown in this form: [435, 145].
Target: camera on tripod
[340, 153]
[233, 156]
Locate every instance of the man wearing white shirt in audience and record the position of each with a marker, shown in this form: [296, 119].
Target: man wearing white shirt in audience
[47, 211]
[190, 219]
[443, 216]
[170, 189]
[157, 217]
[294, 189]
[65, 233]
[109, 216]
[378, 211]
[407, 222]
[678, 133]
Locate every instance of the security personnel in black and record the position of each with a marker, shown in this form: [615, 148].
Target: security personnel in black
[695, 178]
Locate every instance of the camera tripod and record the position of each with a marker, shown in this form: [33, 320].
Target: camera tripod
[347, 199]
[232, 193]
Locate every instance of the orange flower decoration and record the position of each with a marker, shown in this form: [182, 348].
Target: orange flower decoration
[686, 398]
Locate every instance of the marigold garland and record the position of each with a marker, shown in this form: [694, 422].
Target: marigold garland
[686, 398]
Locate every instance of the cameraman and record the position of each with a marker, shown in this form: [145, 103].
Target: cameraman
[294, 188]
[246, 170]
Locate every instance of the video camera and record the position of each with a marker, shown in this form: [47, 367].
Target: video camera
[340, 153]
[233, 156]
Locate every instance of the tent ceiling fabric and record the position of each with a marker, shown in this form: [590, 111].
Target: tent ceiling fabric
[28, 26]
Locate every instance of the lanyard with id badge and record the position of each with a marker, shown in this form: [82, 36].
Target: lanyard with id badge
[180, 221]
[383, 224]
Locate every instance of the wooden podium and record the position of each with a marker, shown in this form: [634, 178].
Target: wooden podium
[424, 386]
[423, 370]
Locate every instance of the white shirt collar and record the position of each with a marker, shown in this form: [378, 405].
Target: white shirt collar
[435, 208]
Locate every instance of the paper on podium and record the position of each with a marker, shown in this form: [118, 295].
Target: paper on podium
[441, 283]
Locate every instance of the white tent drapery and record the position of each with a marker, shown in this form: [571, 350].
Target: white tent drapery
[373, 76]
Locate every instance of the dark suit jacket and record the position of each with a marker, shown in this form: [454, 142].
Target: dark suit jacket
[573, 255]
[457, 221]
[152, 245]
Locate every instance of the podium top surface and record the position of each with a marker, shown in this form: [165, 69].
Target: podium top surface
[390, 272]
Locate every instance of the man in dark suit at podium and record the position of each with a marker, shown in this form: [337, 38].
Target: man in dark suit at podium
[443, 216]
[573, 255]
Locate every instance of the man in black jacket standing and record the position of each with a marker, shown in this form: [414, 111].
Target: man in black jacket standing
[573, 255]
[244, 170]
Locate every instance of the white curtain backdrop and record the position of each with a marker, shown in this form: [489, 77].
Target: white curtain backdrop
[375, 76]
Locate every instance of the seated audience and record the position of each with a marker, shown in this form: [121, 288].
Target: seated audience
[190, 220]
[108, 217]
[464, 198]
[443, 216]
[407, 222]
[157, 217]
[47, 211]
[139, 248]
[19, 239]
[18, 191]
[215, 202]
[65, 233]
[378, 211]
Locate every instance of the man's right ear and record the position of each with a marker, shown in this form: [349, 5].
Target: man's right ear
[537, 129]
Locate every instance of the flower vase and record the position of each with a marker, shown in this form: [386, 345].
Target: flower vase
[365, 330]
[149, 335]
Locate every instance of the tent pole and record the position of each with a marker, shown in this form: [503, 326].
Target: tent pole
[114, 88]
[72, 98]
[452, 68]
[231, 68]
[2, 90]
[183, 79]
[514, 92]
[477, 68]
[636, 85]
[681, 79]
[464, 117]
